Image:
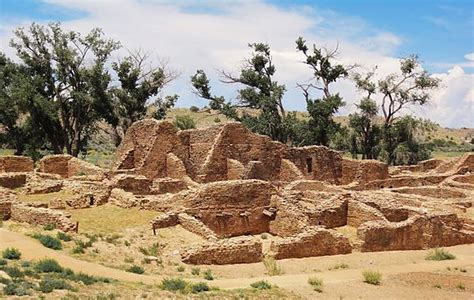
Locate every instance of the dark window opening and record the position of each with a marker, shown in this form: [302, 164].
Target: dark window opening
[309, 164]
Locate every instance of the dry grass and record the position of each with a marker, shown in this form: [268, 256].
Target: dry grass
[110, 219]
[45, 198]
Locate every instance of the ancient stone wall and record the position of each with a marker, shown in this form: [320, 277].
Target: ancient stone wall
[167, 185]
[41, 216]
[224, 252]
[5, 209]
[193, 225]
[12, 180]
[12, 163]
[359, 213]
[362, 171]
[312, 242]
[68, 166]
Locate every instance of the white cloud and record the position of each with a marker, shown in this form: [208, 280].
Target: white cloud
[469, 56]
[217, 38]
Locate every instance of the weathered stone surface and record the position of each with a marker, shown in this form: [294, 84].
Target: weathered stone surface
[68, 166]
[362, 171]
[5, 209]
[225, 252]
[312, 242]
[41, 216]
[137, 184]
[12, 180]
[359, 213]
[44, 186]
[195, 226]
[13, 163]
[165, 220]
[122, 198]
[167, 185]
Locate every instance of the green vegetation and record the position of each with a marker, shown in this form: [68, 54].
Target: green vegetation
[261, 285]
[339, 266]
[272, 266]
[48, 265]
[48, 284]
[439, 254]
[136, 269]
[11, 253]
[195, 271]
[180, 269]
[184, 122]
[372, 277]
[208, 275]
[461, 286]
[49, 227]
[179, 285]
[64, 236]
[156, 249]
[49, 241]
[316, 284]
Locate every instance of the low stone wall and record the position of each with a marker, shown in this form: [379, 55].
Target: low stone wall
[418, 232]
[5, 209]
[168, 185]
[68, 166]
[362, 171]
[12, 180]
[136, 184]
[359, 213]
[122, 198]
[225, 252]
[433, 191]
[13, 163]
[195, 226]
[42, 216]
[165, 220]
[401, 182]
[313, 242]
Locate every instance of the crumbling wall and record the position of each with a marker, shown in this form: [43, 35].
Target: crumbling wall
[362, 171]
[193, 225]
[432, 191]
[5, 209]
[167, 185]
[417, 232]
[12, 180]
[289, 171]
[137, 184]
[461, 164]
[68, 166]
[121, 198]
[13, 163]
[313, 242]
[224, 252]
[359, 213]
[397, 182]
[42, 216]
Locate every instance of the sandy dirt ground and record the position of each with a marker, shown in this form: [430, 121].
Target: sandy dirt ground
[406, 274]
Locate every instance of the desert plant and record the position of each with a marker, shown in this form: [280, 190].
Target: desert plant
[261, 285]
[48, 265]
[264, 236]
[136, 269]
[3, 262]
[208, 275]
[439, 254]
[84, 278]
[180, 269]
[372, 277]
[48, 284]
[173, 284]
[184, 122]
[11, 253]
[316, 283]
[78, 250]
[194, 109]
[199, 287]
[217, 120]
[49, 227]
[49, 241]
[461, 286]
[155, 249]
[272, 267]
[195, 271]
[64, 236]
[13, 272]
[17, 289]
[339, 266]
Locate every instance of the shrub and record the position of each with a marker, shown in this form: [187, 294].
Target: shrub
[217, 120]
[17, 289]
[199, 287]
[84, 278]
[195, 271]
[48, 265]
[136, 269]
[47, 285]
[261, 285]
[11, 253]
[180, 269]
[339, 266]
[155, 249]
[64, 236]
[173, 284]
[316, 283]
[461, 286]
[184, 122]
[13, 272]
[439, 254]
[49, 227]
[78, 250]
[49, 241]
[208, 275]
[194, 109]
[372, 277]
[264, 236]
[3, 262]
[272, 266]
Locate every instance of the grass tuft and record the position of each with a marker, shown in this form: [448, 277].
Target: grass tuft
[261, 285]
[439, 254]
[272, 267]
[316, 283]
[372, 277]
[11, 253]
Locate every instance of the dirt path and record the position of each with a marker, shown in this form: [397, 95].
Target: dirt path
[32, 249]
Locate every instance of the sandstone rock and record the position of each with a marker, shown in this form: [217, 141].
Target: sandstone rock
[41, 216]
[12, 180]
[362, 171]
[12, 163]
[68, 166]
[138, 184]
[167, 185]
[122, 198]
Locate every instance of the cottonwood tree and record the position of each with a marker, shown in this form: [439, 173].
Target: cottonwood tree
[141, 82]
[321, 110]
[67, 92]
[411, 86]
[260, 92]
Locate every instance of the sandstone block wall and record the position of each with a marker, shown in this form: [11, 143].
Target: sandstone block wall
[137, 184]
[362, 171]
[122, 198]
[225, 252]
[165, 220]
[359, 213]
[68, 166]
[313, 242]
[5, 209]
[41, 216]
[193, 225]
[168, 185]
[12, 180]
[13, 163]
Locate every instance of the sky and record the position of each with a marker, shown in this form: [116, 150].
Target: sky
[213, 35]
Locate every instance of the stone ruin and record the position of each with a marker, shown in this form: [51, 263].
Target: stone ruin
[230, 185]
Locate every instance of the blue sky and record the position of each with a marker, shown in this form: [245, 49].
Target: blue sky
[212, 34]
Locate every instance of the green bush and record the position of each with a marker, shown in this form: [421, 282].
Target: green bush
[316, 283]
[49, 241]
[48, 265]
[84, 278]
[49, 226]
[64, 237]
[11, 253]
[339, 266]
[136, 269]
[372, 277]
[208, 275]
[184, 122]
[17, 289]
[194, 109]
[199, 287]
[3, 262]
[195, 271]
[47, 285]
[173, 284]
[78, 250]
[439, 254]
[261, 285]
[13, 272]
[180, 269]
